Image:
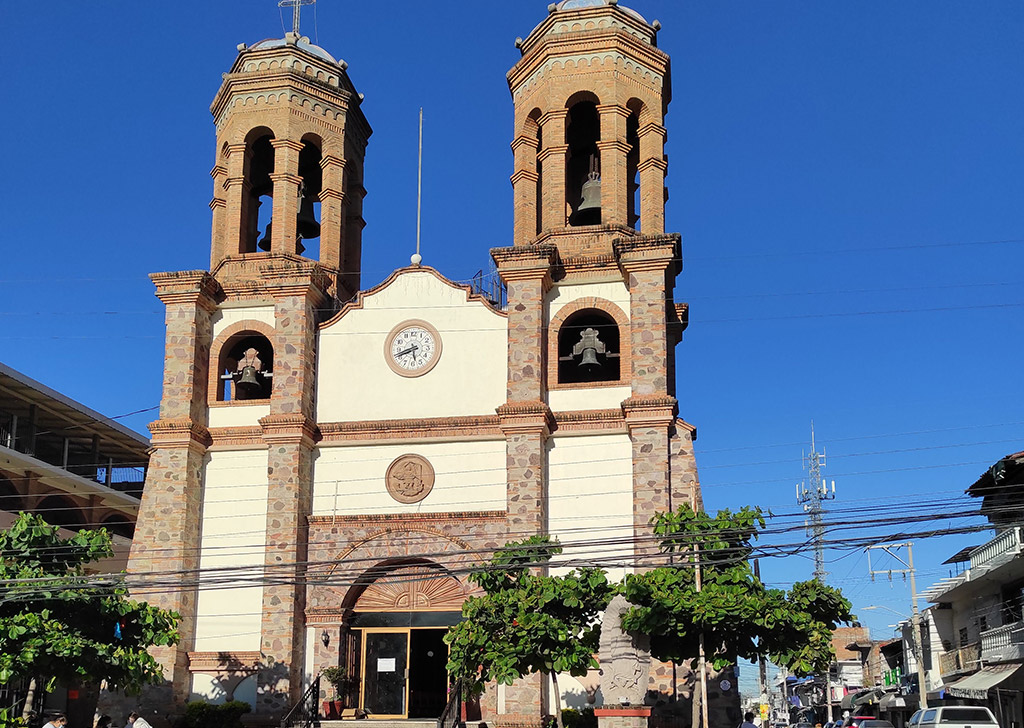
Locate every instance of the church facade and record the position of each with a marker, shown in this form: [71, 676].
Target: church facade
[330, 461]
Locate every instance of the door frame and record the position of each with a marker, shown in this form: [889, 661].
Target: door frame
[362, 665]
[362, 670]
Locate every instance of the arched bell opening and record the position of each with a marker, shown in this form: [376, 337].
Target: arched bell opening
[308, 222]
[57, 510]
[246, 368]
[119, 525]
[588, 348]
[583, 164]
[260, 200]
[632, 164]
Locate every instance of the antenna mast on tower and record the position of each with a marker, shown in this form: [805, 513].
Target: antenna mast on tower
[810, 493]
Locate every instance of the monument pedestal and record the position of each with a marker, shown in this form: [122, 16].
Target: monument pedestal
[623, 716]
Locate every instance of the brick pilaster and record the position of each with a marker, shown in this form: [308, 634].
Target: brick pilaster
[332, 212]
[552, 163]
[218, 206]
[652, 169]
[614, 177]
[236, 226]
[286, 181]
[524, 188]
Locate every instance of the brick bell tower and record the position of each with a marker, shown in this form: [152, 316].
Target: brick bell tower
[240, 357]
[592, 321]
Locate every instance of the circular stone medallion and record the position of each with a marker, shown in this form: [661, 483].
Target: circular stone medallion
[409, 478]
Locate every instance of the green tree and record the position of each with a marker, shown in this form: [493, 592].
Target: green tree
[528, 622]
[59, 624]
[737, 614]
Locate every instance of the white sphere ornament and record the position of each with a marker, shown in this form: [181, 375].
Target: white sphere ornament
[416, 259]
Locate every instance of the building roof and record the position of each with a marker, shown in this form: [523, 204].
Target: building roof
[58, 413]
[300, 43]
[577, 4]
[1005, 471]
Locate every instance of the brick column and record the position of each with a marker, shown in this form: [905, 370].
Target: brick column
[524, 189]
[354, 224]
[614, 176]
[218, 205]
[552, 163]
[652, 169]
[290, 433]
[286, 181]
[237, 200]
[332, 212]
[167, 534]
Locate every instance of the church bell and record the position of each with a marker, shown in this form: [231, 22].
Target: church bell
[264, 244]
[589, 361]
[248, 380]
[589, 211]
[307, 224]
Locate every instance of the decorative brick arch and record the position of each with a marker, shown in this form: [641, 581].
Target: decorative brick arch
[239, 327]
[625, 341]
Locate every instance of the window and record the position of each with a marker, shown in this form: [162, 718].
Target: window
[963, 636]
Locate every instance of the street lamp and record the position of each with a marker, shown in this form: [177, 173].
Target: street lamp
[915, 622]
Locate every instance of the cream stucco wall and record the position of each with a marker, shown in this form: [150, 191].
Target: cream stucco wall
[565, 400]
[226, 316]
[354, 382]
[469, 476]
[590, 496]
[233, 535]
[565, 293]
[238, 415]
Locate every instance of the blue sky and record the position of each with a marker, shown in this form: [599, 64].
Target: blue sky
[846, 177]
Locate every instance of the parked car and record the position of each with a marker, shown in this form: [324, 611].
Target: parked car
[957, 716]
[854, 721]
[915, 719]
[875, 723]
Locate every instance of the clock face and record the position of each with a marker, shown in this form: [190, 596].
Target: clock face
[413, 348]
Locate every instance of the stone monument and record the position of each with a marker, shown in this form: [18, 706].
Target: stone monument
[625, 671]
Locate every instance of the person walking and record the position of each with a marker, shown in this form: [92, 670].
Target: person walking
[58, 721]
[137, 721]
[748, 720]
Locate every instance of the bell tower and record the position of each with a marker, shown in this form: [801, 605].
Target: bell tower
[590, 94]
[290, 145]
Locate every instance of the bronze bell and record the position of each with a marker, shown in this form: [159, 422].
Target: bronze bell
[589, 345]
[306, 223]
[589, 360]
[264, 244]
[589, 211]
[248, 380]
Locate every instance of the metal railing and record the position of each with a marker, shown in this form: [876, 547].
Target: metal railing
[451, 716]
[966, 658]
[1007, 542]
[306, 712]
[490, 286]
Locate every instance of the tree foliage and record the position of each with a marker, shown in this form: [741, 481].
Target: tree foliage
[527, 621]
[737, 614]
[58, 624]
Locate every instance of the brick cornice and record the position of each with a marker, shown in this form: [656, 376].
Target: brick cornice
[652, 127]
[224, 662]
[651, 252]
[328, 193]
[276, 177]
[525, 262]
[525, 417]
[286, 144]
[289, 429]
[179, 432]
[647, 411]
[527, 140]
[553, 150]
[610, 109]
[553, 115]
[471, 427]
[230, 182]
[527, 174]
[218, 169]
[217, 202]
[656, 162]
[332, 160]
[615, 145]
[196, 287]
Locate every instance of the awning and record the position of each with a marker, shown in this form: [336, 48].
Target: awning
[868, 697]
[895, 701]
[848, 700]
[976, 686]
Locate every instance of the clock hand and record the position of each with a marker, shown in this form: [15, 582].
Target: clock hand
[410, 350]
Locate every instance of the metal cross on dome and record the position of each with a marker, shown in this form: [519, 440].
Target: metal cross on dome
[296, 6]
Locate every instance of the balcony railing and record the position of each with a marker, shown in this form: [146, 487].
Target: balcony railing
[961, 660]
[1006, 544]
[1003, 644]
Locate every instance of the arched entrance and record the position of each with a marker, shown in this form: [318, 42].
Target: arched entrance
[395, 638]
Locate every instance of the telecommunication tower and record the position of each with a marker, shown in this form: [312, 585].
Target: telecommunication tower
[810, 493]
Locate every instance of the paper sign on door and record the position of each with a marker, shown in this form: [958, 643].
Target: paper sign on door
[385, 664]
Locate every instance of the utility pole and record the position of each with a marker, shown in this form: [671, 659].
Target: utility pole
[810, 493]
[762, 663]
[915, 614]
